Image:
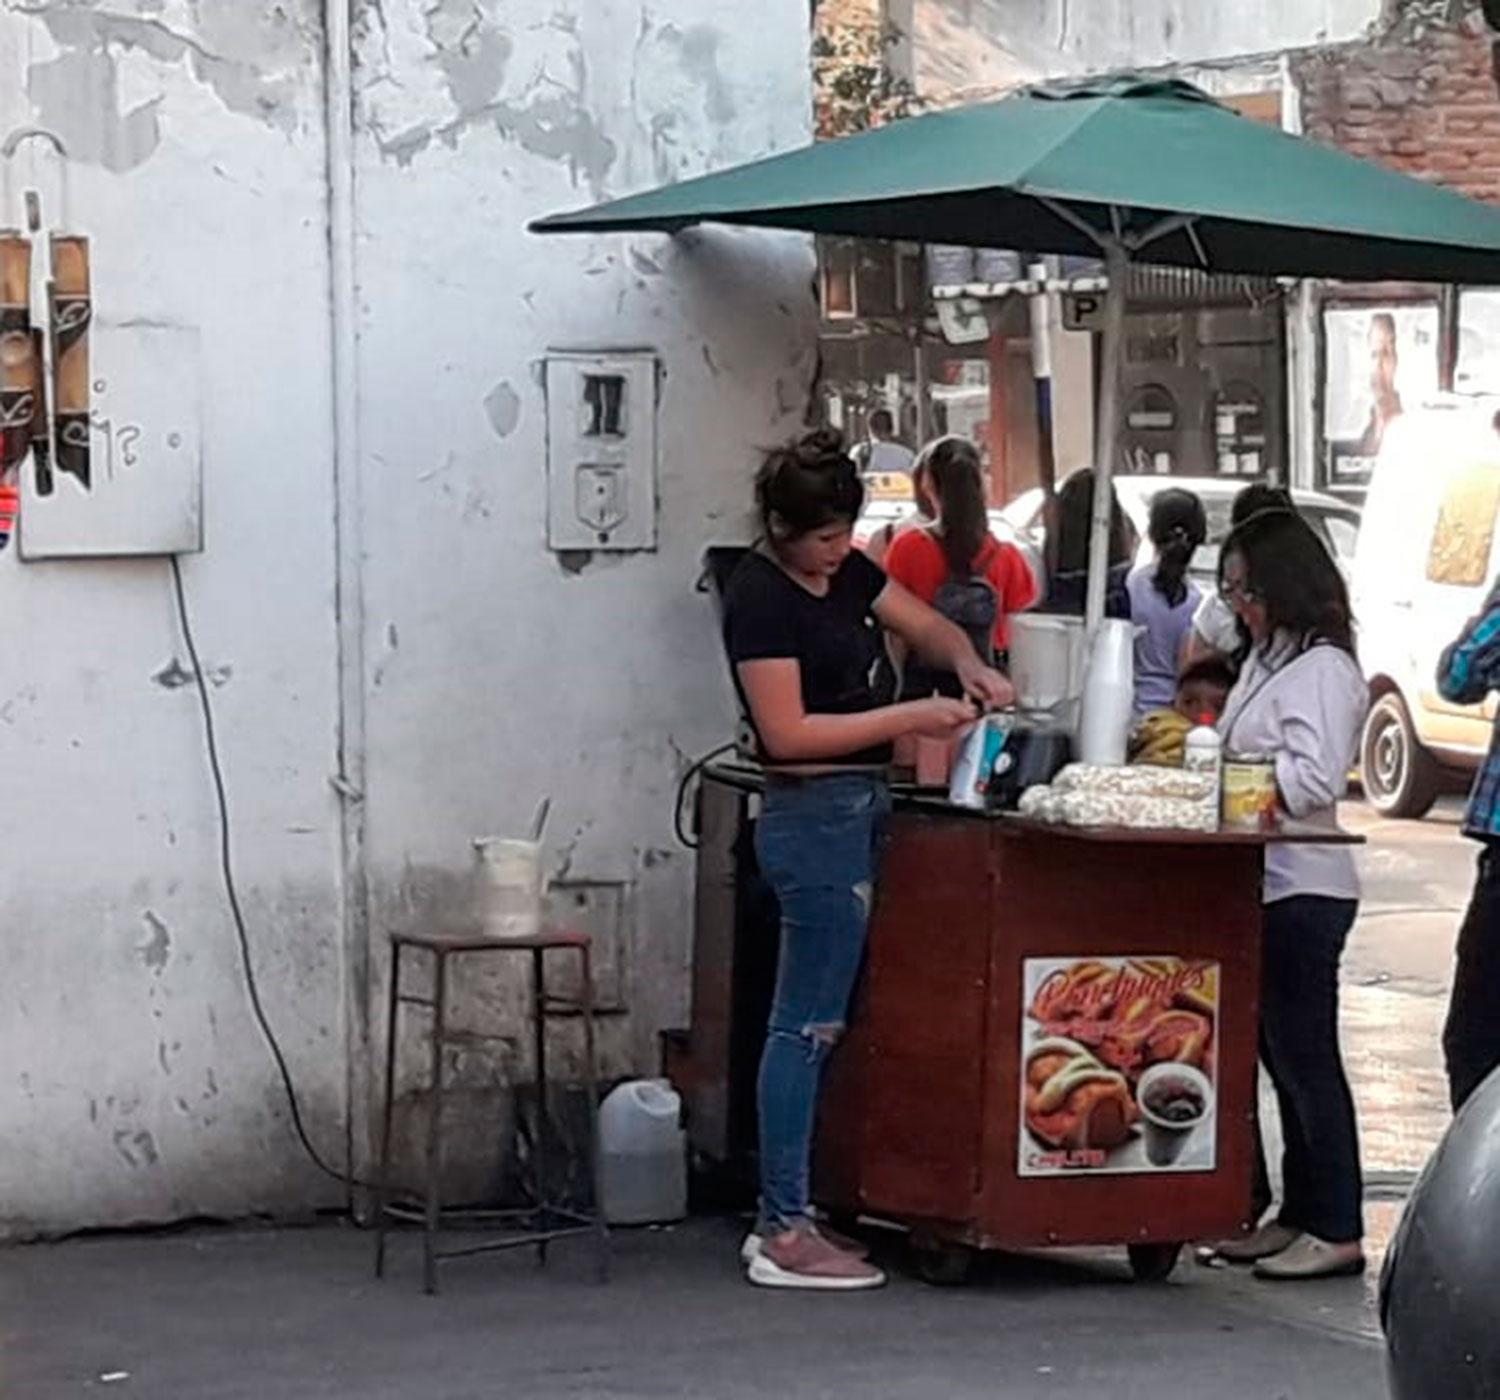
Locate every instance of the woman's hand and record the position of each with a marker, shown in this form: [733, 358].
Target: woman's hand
[986, 685]
[939, 717]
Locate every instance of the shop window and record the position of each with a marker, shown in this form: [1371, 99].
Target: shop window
[1151, 410]
[839, 267]
[1379, 359]
[1151, 416]
[1239, 430]
[1477, 369]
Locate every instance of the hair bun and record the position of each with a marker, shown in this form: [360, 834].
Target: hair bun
[819, 448]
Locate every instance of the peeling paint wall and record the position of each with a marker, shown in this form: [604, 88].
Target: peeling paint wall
[135, 1085]
[495, 670]
[521, 672]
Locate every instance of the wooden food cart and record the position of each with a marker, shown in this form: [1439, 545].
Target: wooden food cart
[1026, 988]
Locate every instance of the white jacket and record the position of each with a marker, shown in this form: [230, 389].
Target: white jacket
[1303, 707]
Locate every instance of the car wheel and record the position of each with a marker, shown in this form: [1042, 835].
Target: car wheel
[1401, 779]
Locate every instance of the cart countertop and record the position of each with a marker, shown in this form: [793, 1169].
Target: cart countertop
[931, 801]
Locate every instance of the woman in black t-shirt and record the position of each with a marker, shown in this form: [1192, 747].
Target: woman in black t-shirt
[802, 620]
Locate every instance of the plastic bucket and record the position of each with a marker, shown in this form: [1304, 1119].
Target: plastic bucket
[508, 887]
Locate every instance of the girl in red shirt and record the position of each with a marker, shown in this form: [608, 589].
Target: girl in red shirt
[957, 566]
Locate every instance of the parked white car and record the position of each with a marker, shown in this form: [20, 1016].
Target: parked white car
[1336, 522]
[1424, 565]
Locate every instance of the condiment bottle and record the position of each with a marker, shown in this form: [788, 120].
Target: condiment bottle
[1202, 752]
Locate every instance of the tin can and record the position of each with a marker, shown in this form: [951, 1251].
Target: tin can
[1249, 788]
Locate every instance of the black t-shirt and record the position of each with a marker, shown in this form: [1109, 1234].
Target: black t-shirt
[834, 639]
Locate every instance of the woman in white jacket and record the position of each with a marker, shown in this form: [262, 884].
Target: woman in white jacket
[1301, 699]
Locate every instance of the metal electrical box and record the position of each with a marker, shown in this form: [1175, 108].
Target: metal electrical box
[601, 451]
[145, 493]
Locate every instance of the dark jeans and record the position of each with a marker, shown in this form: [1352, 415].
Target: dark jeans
[1323, 1192]
[1471, 1038]
[816, 842]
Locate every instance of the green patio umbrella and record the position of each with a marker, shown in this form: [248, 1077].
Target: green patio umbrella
[1127, 169]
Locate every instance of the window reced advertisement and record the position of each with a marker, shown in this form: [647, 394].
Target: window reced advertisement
[1378, 360]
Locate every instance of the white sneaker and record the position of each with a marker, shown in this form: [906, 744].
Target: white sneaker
[804, 1259]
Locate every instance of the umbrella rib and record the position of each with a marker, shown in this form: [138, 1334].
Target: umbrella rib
[1081, 224]
[1196, 240]
[1185, 223]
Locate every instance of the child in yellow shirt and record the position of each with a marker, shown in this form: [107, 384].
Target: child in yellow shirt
[1202, 690]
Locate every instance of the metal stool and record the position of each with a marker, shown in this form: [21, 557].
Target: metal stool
[542, 1222]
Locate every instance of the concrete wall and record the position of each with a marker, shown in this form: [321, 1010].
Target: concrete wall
[500, 671]
[135, 1087]
[494, 671]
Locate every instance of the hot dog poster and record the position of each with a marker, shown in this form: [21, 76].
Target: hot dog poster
[1118, 1060]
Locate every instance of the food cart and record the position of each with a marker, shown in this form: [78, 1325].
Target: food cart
[1027, 990]
[926, 1118]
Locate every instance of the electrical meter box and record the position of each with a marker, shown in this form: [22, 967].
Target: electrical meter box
[601, 450]
[144, 492]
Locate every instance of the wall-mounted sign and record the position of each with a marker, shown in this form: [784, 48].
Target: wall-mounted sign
[1083, 311]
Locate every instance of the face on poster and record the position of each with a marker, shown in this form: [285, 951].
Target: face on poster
[1119, 1065]
[1379, 361]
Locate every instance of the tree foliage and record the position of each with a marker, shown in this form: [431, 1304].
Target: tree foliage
[855, 85]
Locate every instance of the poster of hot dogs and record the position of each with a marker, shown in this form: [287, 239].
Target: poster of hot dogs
[1118, 1065]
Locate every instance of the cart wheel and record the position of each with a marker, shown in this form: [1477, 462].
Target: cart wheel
[1153, 1263]
[944, 1265]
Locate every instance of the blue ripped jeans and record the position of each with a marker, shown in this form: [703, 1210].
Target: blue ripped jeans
[816, 843]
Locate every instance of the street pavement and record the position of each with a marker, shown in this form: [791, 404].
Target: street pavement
[229, 1314]
[1397, 972]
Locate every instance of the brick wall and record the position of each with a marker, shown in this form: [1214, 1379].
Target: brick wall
[1420, 95]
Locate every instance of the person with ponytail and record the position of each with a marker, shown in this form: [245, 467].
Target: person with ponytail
[1163, 599]
[803, 615]
[957, 566]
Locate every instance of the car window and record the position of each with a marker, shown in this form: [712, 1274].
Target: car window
[1217, 512]
[1344, 533]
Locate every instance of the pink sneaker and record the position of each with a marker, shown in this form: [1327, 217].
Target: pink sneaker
[804, 1259]
[858, 1248]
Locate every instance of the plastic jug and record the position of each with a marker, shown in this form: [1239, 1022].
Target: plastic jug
[1046, 655]
[643, 1154]
[1108, 695]
[508, 887]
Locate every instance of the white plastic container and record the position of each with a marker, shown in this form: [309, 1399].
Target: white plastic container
[1108, 696]
[508, 887]
[643, 1154]
[1046, 665]
[975, 765]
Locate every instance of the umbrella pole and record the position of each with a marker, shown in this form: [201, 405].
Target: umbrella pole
[1116, 263]
[1041, 376]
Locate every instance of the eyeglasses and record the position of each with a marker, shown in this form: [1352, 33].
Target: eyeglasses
[1236, 590]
